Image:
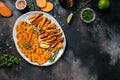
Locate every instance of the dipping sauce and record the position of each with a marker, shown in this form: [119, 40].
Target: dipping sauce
[20, 4]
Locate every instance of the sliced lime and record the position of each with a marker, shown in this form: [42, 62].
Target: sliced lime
[44, 45]
[69, 17]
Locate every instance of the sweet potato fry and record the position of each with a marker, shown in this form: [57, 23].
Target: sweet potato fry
[59, 45]
[49, 40]
[44, 35]
[46, 23]
[51, 31]
[42, 23]
[31, 19]
[52, 25]
[57, 41]
[34, 17]
[58, 34]
[54, 35]
[36, 22]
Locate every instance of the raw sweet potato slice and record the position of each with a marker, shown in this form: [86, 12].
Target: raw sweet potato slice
[41, 3]
[5, 10]
[49, 6]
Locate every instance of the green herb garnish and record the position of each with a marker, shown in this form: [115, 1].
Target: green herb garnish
[8, 60]
[26, 45]
[87, 15]
[31, 6]
[82, 5]
[35, 28]
[52, 59]
[57, 2]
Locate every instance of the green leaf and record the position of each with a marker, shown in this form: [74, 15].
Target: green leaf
[52, 59]
[31, 6]
[57, 2]
[27, 45]
[9, 64]
[16, 60]
[8, 60]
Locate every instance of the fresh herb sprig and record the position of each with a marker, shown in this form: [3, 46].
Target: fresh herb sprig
[57, 2]
[8, 60]
[27, 45]
[52, 59]
[37, 29]
[31, 5]
[82, 5]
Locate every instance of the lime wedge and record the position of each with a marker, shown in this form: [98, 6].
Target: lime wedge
[69, 17]
[44, 45]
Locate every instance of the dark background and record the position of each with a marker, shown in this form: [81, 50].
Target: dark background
[92, 51]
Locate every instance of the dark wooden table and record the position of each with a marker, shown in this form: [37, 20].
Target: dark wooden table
[92, 51]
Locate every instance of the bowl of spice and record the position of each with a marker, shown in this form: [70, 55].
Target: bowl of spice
[87, 15]
[20, 4]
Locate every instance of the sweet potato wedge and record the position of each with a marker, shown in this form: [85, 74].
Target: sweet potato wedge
[34, 17]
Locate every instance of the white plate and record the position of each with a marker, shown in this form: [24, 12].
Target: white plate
[25, 17]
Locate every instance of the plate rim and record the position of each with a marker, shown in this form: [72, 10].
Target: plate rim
[17, 47]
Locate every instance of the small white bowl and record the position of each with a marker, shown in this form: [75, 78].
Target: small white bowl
[86, 20]
[20, 4]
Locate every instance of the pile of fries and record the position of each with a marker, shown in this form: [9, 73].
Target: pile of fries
[40, 39]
